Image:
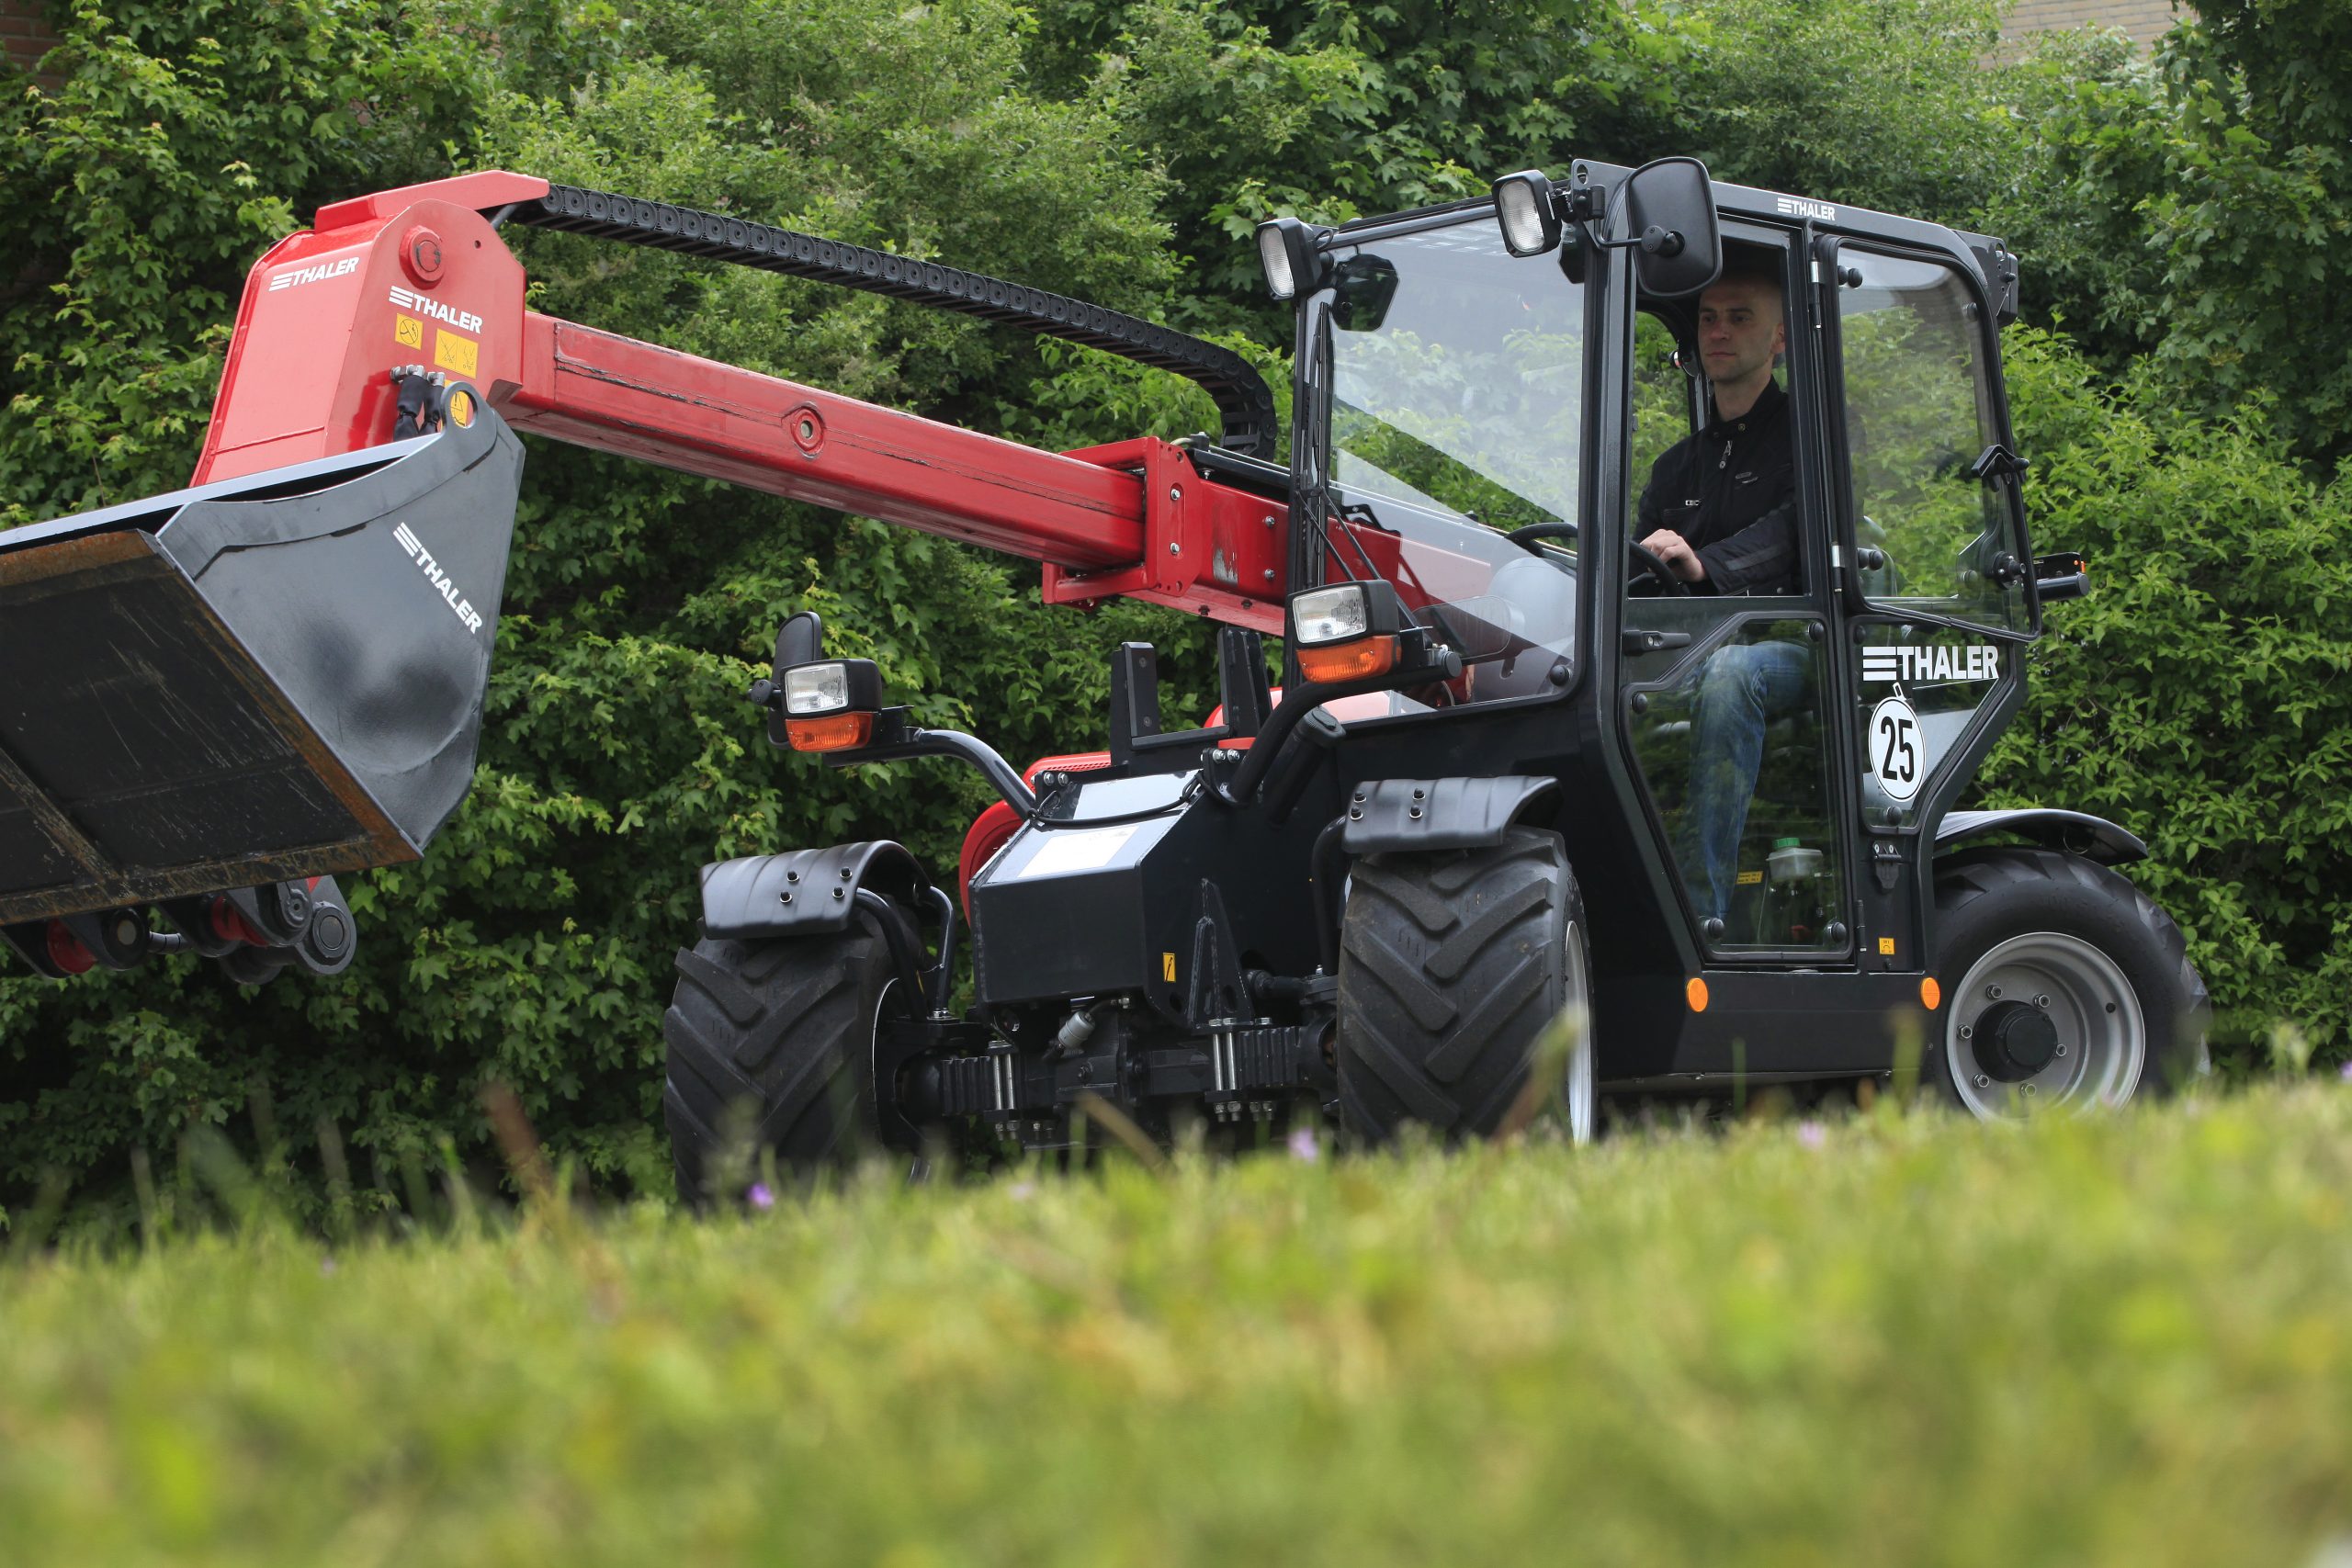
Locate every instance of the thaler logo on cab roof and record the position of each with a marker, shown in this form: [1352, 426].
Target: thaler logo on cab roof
[1798, 207]
[463, 320]
[295, 277]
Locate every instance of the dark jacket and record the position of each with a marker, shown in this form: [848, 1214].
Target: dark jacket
[1731, 491]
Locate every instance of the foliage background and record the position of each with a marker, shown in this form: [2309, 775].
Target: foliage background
[2183, 397]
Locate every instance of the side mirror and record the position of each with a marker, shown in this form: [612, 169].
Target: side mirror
[800, 640]
[1671, 217]
[1364, 286]
[2064, 575]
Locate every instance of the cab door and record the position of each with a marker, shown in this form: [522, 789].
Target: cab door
[1932, 555]
[1727, 700]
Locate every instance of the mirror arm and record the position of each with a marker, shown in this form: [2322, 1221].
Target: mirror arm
[894, 739]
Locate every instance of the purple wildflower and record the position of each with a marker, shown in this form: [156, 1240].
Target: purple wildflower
[760, 1197]
[1303, 1145]
[1811, 1134]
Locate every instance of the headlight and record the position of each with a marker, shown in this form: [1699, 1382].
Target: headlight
[1346, 632]
[1330, 615]
[1291, 252]
[816, 688]
[830, 706]
[1529, 217]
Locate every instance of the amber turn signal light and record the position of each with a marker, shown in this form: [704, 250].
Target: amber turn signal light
[833, 732]
[1357, 661]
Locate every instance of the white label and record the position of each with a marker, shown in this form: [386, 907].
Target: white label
[1894, 742]
[1883, 662]
[1798, 207]
[296, 277]
[409, 300]
[1078, 848]
[433, 574]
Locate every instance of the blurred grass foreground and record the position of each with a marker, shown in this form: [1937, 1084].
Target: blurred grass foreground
[1890, 1339]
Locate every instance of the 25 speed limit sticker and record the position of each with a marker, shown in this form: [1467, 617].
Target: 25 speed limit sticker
[1894, 750]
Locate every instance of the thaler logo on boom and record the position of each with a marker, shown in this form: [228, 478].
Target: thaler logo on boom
[439, 578]
[463, 320]
[295, 277]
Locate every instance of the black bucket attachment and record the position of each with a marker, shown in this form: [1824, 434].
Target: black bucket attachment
[259, 682]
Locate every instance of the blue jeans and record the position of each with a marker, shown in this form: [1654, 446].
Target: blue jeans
[1746, 687]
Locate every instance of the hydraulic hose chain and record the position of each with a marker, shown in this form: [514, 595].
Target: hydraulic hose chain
[1243, 400]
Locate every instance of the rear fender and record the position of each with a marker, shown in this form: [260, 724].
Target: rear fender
[2075, 832]
[804, 892]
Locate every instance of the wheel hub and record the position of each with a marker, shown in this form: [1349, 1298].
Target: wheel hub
[2017, 1040]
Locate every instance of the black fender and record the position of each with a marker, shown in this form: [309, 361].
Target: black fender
[1393, 815]
[2075, 832]
[803, 892]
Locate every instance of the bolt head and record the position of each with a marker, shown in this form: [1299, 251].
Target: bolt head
[2062, 1050]
[1984, 1080]
[2041, 1001]
[1994, 992]
[1968, 1032]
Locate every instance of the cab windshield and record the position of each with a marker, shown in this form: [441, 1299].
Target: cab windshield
[1457, 386]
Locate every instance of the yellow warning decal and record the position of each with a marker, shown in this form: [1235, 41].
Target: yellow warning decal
[1750, 878]
[1886, 947]
[461, 407]
[456, 354]
[1168, 967]
[408, 332]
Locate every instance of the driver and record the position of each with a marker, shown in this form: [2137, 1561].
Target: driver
[1720, 513]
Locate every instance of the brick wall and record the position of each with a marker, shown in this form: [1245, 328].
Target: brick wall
[2142, 20]
[24, 37]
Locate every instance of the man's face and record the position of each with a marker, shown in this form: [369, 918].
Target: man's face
[1739, 330]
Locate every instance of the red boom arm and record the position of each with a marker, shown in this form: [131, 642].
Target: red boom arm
[419, 276]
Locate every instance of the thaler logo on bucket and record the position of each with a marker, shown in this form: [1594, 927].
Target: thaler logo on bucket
[439, 578]
[463, 320]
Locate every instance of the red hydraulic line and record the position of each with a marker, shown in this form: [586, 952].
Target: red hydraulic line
[636, 400]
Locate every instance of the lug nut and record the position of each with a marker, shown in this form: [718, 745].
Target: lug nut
[2062, 1050]
[1984, 1081]
[2041, 1001]
[1994, 992]
[1967, 1031]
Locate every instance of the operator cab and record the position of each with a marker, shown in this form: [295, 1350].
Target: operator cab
[1749, 760]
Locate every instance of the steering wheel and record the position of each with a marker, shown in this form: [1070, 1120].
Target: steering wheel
[1525, 538]
[1649, 562]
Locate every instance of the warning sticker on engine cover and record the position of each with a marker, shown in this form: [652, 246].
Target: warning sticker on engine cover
[1078, 848]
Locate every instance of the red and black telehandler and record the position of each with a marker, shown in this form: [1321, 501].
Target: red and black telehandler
[1515, 780]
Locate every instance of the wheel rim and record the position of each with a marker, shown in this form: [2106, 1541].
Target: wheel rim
[1579, 1092]
[2101, 1036]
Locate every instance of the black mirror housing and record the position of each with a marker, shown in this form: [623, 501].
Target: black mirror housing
[1670, 214]
[800, 640]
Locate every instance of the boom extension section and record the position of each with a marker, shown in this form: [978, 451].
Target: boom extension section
[277, 675]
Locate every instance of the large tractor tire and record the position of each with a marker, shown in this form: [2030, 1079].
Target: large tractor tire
[1452, 968]
[771, 1047]
[2063, 986]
